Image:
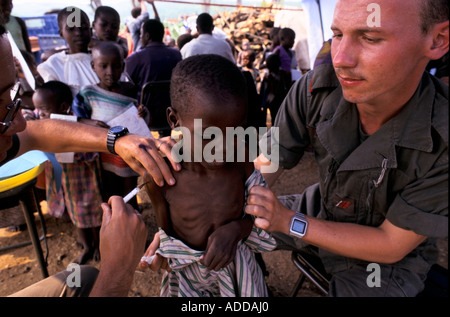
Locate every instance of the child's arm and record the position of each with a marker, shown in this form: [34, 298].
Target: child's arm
[159, 203]
[159, 206]
[82, 109]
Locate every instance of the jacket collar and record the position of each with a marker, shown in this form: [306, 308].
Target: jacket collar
[339, 131]
[324, 77]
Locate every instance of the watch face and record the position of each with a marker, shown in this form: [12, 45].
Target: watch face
[299, 226]
[117, 129]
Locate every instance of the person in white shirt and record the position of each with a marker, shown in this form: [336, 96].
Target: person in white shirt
[72, 67]
[206, 43]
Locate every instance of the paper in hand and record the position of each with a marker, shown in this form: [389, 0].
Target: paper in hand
[130, 119]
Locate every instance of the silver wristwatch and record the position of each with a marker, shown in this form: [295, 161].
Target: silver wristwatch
[299, 224]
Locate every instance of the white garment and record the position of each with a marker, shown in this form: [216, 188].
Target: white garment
[74, 70]
[207, 44]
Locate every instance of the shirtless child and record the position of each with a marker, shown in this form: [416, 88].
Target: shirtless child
[208, 241]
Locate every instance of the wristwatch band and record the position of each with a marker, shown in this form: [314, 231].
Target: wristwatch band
[113, 134]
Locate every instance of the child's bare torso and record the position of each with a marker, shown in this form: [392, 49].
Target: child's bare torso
[204, 200]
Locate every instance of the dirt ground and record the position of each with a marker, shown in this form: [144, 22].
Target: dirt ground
[19, 268]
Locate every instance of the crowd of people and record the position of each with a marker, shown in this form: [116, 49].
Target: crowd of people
[98, 66]
[378, 131]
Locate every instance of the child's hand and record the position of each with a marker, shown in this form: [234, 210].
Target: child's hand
[221, 247]
[142, 111]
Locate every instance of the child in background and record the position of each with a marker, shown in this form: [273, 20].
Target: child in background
[248, 60]
[106, 27]
[287, 55]
[274, 86]
[245, 45]
[275, 41]
[204, 233]
[74, 66]
[79, 194]
[103, 102]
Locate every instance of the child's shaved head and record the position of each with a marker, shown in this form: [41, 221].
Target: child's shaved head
[212, 76]
[106, 48]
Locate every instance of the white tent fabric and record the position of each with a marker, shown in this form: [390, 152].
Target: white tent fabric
[319, 14]
[296, 20]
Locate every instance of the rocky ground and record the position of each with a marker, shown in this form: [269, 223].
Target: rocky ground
[19, 268]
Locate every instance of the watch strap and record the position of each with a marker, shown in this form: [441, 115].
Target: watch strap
[112, 137]
[110, 142]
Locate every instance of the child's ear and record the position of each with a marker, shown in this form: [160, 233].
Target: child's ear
[173, 118]
[92, 65]
[65, 108]
[146, 37]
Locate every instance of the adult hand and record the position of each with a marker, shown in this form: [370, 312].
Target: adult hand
[143, 154]
[122, 242]
[159, 262]
[271, 215]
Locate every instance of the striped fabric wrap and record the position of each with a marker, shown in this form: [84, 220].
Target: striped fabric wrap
[243, 277]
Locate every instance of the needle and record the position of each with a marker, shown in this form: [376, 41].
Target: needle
[133, 193]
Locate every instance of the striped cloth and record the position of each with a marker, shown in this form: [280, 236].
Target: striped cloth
[96, 103]
[241, 278]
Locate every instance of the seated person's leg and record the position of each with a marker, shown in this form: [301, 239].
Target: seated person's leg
[57, 286]
[391, 282]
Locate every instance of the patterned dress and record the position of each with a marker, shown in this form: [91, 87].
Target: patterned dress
[79, 193]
